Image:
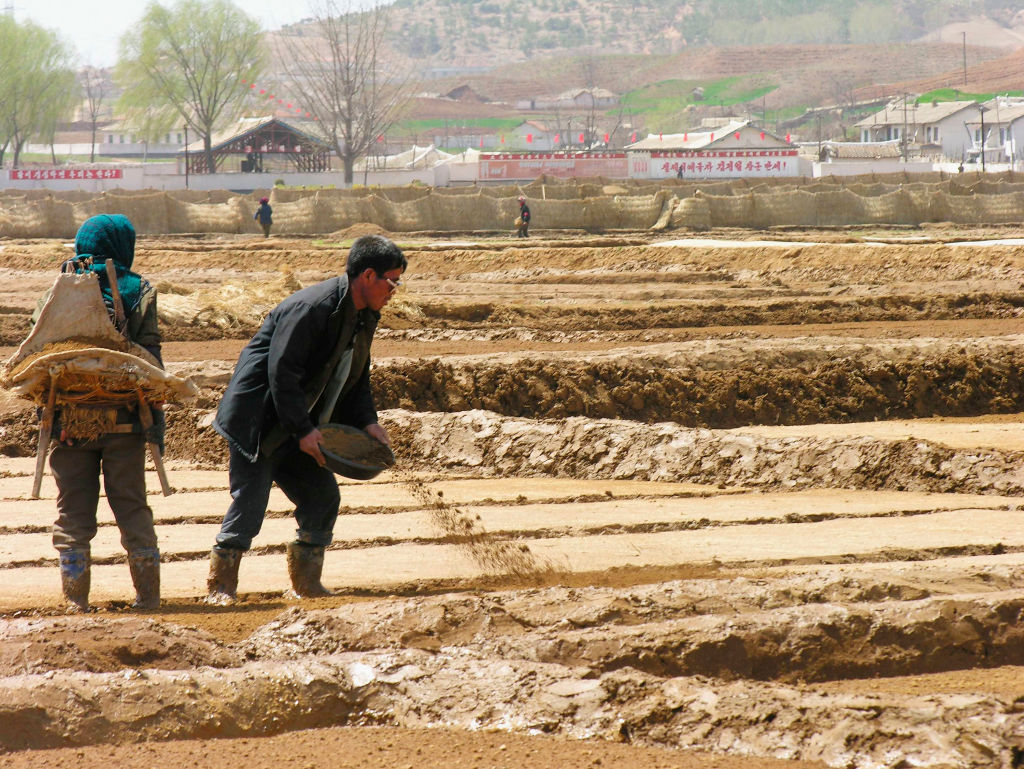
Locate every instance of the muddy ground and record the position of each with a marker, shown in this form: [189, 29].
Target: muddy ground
[694, 503]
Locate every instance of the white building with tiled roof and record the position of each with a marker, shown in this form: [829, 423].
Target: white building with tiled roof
[736, 149]
[930, 127]
[1003, 136]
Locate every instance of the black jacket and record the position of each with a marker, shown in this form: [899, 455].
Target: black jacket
[285, 368]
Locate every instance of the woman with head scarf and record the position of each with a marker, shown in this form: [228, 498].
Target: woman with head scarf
[117, 447]
[265, 216]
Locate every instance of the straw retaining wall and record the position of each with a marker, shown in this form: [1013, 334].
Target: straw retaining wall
[555, 204]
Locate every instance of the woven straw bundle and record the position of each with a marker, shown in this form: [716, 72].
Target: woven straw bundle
[94, 376]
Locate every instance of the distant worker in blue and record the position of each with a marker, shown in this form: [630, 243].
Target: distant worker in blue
[265, 216]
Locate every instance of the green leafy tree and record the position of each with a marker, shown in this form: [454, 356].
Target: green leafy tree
[189, 63]
[37, 89]
[875, 24]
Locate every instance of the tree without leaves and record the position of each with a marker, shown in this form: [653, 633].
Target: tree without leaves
[94, 87]
[189, 63]
[37, 89]
[338, 71]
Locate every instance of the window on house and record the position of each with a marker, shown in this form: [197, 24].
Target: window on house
[865, 135]
[935, 134]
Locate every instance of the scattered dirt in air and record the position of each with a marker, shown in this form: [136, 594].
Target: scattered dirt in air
[496, 557]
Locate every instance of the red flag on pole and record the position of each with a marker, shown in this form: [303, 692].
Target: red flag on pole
[762, 135]
[581, 138]
[787, 137]
[737, 134]
[529, 138]
[558, 138]
[634, 136]
[606, 138]
[661, 137]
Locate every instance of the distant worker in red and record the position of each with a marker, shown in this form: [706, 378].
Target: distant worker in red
[523, 222]
[265, 216]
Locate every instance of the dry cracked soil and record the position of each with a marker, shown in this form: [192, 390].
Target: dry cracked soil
[748, 500]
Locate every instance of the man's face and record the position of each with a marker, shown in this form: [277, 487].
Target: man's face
[380, 287]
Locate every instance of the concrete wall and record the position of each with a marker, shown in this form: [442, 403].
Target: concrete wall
[169, 176]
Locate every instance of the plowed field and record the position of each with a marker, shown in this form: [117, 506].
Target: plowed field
[699, 503]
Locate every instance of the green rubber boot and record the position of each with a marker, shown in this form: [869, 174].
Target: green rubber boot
[75, 578]
[222, 583]
[305, 565]
[144, 566]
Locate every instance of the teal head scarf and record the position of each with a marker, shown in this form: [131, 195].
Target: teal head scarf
[110, 236]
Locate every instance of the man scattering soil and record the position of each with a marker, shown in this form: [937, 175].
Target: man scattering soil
[313, 348]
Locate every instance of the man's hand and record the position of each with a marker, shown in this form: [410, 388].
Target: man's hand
[310, 443]
[378, 432]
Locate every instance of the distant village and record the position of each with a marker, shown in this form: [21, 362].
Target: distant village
[561, 135]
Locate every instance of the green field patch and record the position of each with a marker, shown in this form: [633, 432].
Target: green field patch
[426, 126]
[663, 104]
[952, 94]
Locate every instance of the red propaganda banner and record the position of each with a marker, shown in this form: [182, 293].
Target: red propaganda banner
[64, 174]
[720, 164]
[564, 165]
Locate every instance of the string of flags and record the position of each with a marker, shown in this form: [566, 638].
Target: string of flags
[256, 91]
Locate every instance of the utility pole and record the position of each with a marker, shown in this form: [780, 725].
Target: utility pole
[903, 135]
[982, 109]
[818, 116]
[965, 59]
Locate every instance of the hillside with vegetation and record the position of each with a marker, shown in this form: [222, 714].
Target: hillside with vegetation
[473, 33]
[793, 65]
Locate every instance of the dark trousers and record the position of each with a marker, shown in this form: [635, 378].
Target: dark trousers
[265, 226]
[122, 460]
[311, 488]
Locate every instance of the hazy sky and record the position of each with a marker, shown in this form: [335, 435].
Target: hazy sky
[93, 27]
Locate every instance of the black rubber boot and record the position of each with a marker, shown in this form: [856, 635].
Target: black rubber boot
[305, 565]
[222, 584]
[75, 577]
[144, 565]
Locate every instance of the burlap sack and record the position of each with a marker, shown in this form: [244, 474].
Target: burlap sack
[75, 346]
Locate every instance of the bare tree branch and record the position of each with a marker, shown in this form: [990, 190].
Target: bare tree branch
[342, 73]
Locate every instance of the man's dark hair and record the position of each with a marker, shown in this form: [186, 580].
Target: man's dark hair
[374, 252]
